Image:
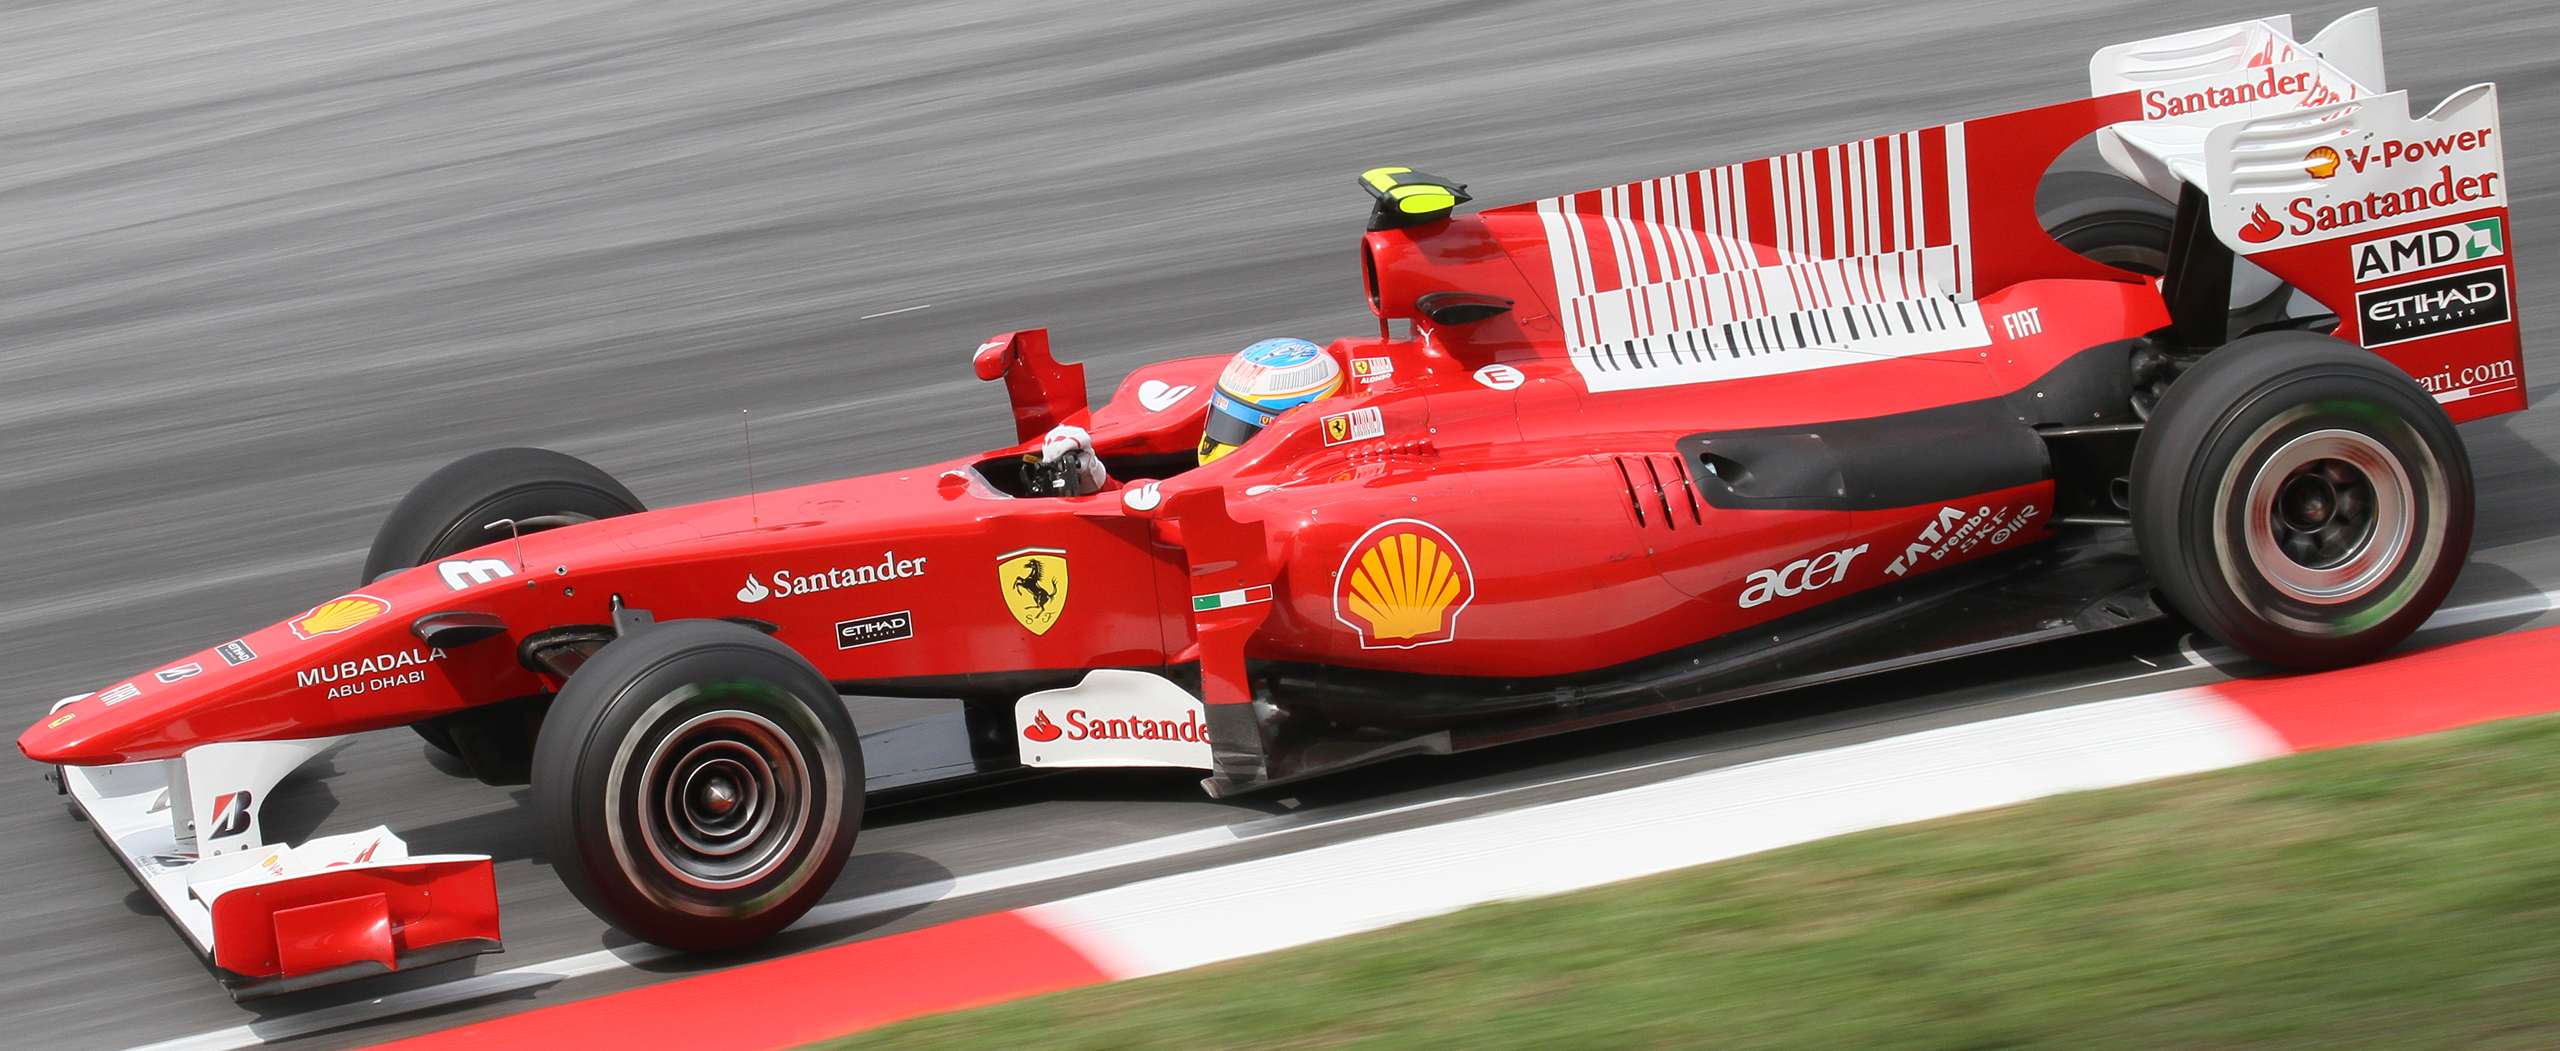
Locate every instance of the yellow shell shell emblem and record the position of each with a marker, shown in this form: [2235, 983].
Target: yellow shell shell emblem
[1033, 583]
[338, 614]
[2321, 162]
[1403, 585]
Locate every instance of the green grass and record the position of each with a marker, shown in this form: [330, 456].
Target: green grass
[2401, 895]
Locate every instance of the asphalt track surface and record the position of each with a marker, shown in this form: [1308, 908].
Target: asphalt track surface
[264, 265]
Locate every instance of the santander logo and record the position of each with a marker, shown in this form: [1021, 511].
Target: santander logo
[1157, 396]
[2262, 227]
[1041, 729]
[755, 591]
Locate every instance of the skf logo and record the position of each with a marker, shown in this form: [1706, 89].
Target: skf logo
[462, 573]
[336, 615]
[230, 815]
[2321, 162]
[1799, 576]
[1403, 585]
[1033, 584]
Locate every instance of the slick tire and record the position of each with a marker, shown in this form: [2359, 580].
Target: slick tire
[2109, 219]
[2301, 499]
[698, 784]
[449, 512]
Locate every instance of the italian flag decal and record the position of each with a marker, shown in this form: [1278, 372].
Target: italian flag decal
[1230, 599]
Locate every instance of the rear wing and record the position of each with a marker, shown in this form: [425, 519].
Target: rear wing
[2306, 167]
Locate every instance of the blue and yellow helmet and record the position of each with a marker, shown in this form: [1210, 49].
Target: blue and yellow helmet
[1263, 381]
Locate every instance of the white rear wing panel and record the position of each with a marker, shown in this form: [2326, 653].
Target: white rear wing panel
[2191, 82]
[2312, 172]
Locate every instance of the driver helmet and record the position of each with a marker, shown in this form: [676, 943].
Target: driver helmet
[1261, 382]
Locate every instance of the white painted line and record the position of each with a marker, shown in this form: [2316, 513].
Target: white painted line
[900, 310]
[1793, 778]
[2455, 616]
[1345, 888]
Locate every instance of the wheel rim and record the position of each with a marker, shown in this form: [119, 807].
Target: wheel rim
[2329, 516]
[723, 798]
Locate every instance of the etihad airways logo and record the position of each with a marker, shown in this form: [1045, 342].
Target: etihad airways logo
[788, 582]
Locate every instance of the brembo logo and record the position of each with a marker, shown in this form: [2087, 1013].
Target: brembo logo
[1799, 576]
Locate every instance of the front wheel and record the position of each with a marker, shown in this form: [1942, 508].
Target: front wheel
[2302, 500]
[699, 783]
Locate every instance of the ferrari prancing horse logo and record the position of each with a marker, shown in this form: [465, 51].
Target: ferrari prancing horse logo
[1033, 583]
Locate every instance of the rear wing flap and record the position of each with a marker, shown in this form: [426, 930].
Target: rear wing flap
[2398, 224]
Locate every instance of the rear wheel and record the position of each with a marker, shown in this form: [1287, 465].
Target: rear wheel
[699, 784]
[2300, 499]
[2109, 219]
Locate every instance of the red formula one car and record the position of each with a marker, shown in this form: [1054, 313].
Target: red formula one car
[1623, 452]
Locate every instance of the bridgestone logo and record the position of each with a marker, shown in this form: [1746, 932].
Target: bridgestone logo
[2433, 307]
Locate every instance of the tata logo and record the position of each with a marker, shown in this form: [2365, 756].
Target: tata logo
[2451, 243]
[1800, 576]
[461, 573]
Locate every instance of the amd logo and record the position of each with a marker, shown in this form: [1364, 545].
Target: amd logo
[2452, 243]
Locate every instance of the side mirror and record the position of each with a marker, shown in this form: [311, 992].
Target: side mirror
[1460, 308]
[1406, 197]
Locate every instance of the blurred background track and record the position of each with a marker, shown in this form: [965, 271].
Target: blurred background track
[265, 265]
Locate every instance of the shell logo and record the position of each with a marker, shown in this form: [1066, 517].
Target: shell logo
[338, 614]
[2321, 162]
[1403, 585]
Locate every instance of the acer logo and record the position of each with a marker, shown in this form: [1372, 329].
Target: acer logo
[1799, 576]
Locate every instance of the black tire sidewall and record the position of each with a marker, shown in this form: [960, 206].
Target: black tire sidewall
[448, 513]
[2220, 413]
[610, 714]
